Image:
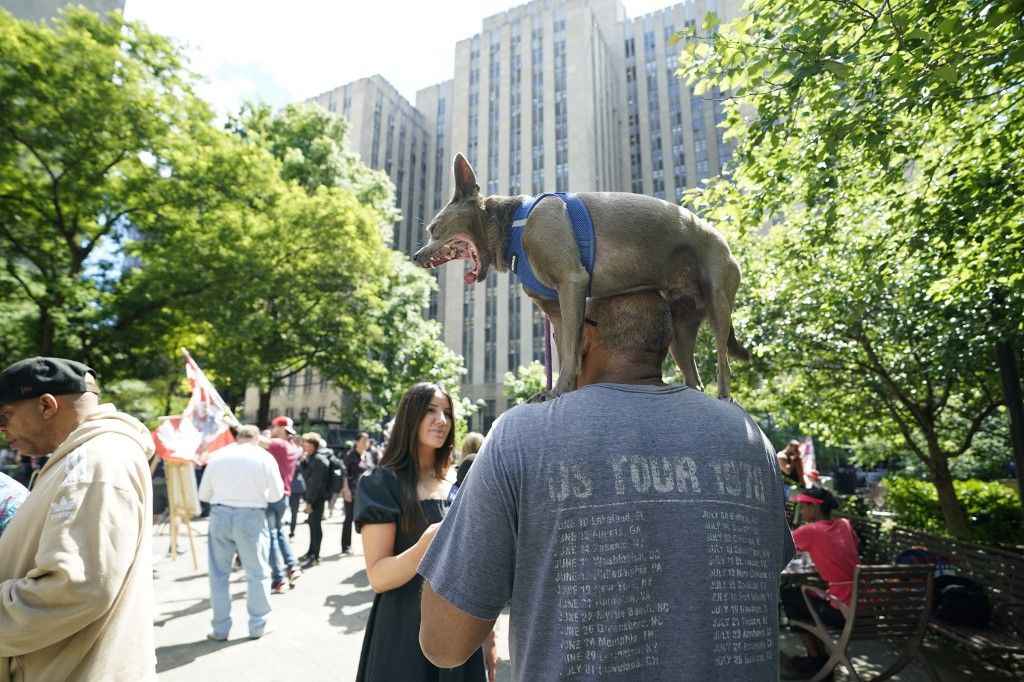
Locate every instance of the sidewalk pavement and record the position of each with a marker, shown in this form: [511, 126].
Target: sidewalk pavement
[317, 627]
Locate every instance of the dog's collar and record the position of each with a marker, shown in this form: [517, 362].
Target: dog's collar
[583, 230]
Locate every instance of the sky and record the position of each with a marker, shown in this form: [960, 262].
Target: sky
[286, 52]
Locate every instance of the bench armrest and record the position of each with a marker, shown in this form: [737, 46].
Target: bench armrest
[811, 590]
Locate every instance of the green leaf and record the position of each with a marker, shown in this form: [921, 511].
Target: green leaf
[839, 69]
[946, 73]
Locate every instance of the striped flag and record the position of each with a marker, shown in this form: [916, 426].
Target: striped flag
[202, 427]
[808, 461]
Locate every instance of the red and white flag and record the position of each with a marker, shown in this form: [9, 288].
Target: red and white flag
[203, 426]
[809, 462]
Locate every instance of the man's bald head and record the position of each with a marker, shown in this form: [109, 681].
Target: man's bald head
[637, 326]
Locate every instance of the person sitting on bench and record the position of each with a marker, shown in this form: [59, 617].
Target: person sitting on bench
[832, 544]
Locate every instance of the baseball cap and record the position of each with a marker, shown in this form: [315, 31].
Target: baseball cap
[815, 496]
[37, 376]
[285, 422]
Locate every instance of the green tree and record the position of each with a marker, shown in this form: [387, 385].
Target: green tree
[353, 307]
[131, 225]
[85, 108]
[875, 203]
[524, 383]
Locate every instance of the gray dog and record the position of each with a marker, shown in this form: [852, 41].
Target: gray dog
[638, 242]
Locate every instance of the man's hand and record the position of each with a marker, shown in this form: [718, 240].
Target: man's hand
[308, 508]
[346, 493]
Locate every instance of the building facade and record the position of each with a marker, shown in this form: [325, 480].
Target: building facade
[40, 10]
[389, 134]
[553, 95]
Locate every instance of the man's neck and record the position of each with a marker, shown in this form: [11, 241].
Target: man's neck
[649, 377]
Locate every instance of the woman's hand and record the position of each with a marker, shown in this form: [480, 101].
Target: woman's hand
[428, 535]
[346, 493]
[308, 508]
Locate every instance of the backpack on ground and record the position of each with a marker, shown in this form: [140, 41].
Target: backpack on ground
[961, 601]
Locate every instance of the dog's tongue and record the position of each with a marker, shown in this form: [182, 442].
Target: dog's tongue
[469, 277]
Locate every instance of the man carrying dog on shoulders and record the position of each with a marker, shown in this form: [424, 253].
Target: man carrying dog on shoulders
[76, 585]
[636, 528]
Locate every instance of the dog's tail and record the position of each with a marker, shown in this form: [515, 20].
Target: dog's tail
[735, 349]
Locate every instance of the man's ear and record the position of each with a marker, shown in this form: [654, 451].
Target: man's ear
[48, 406]
[589, 332]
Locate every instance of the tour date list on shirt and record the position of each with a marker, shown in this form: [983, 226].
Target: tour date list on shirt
[615, 599]
[602, 562]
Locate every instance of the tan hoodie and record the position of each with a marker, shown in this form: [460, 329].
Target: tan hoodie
[76, 580]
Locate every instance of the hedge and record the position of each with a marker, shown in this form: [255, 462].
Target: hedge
[993, 510]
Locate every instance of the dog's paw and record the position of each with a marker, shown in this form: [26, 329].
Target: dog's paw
[728, 399]
[539, 397]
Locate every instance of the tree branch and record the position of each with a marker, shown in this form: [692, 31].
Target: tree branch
[904, 430]
[24, 285]
[976, 423]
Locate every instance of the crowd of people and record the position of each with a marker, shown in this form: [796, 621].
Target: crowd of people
[635, 528]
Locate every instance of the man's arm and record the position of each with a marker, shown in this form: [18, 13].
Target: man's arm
[448, 636]
[86, 549]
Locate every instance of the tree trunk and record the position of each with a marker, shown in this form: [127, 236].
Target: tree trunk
[263, 414]
[45, 332]
[952, 512]
[1014, 409]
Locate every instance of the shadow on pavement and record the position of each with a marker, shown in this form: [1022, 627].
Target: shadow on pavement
[198, 607]
[177, 655]
[357, 579]
[351, 622]
[192, 576]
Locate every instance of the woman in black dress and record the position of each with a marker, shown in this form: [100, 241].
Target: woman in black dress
[399, 507]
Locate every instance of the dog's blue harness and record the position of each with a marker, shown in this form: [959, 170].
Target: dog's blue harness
[582, 228]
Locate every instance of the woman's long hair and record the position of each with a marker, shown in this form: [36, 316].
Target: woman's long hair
[401, 454]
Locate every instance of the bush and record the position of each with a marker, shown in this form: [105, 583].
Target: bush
[993, 510]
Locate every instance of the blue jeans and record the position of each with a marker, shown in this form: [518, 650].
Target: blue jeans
[282, 557]
[241, 530]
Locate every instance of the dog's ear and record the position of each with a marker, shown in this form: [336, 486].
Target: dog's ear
[465, 178]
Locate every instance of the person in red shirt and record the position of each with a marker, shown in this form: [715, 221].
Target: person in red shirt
[832, 544]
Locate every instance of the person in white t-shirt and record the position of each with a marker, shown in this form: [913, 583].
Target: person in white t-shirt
[241, 479]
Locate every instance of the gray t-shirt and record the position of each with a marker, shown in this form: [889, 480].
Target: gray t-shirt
[637, 531]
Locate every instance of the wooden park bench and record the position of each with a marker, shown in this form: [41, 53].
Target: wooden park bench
[871, 549]
[1001, 572]
[890, 603]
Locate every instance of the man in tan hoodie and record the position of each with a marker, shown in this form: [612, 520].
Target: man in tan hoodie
[76, 589]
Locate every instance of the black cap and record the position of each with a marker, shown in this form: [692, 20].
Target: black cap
[34, 377]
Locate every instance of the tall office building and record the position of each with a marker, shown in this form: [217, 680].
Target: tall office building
[553, 95]
[389, 134]
[39, 10]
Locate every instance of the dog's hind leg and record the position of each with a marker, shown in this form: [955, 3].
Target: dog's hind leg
[720, 318]
[686, 321]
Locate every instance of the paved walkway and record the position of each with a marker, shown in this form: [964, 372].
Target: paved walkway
[318, 626]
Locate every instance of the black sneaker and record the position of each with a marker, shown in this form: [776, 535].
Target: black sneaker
[311, 561]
